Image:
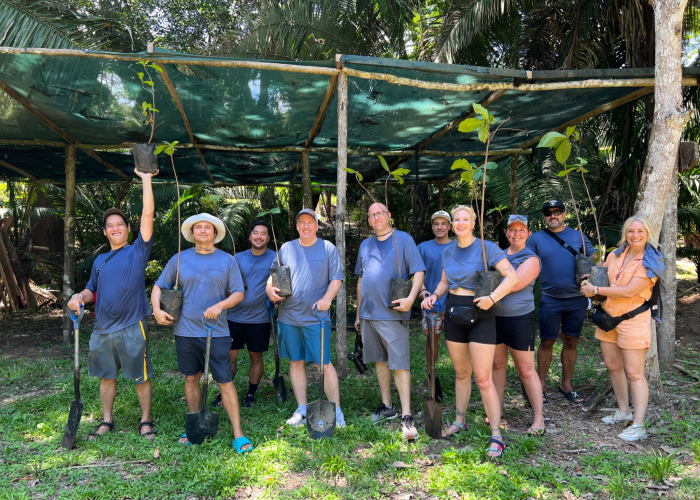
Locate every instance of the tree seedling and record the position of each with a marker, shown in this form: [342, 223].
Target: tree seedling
[144, 155]
[281, 275]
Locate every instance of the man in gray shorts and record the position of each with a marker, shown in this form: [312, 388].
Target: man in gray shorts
[120, 336]
[385, 325]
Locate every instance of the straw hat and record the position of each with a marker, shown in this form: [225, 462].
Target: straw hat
[214, 221]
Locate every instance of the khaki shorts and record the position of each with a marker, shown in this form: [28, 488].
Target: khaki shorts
[126, 349]
[634, 333]
[386, 341]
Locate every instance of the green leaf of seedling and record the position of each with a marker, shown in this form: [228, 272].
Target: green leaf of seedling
[551, 140]
[154, 110]
[562, 173]
[470, 125]
[262, 214]
[349, 170]
[478, 108]
[582, 161]
[483, 133]
[570, 131]
[563, 152]
[491, 165]
[359, 176]
[143, 63]
[148, 82]
[478, 174]
[144, 105]
[467, 176]
[275, 210]
[400, 172]
[156, 67]
[384, 163]
[140, 76]
[159, 149]
[461, 164]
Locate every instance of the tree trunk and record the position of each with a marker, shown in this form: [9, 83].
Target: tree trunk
[669, 119]
[306, 179]
[666, 331]
[292, 213]
[69, 243]
[341, 341]
[421, 197]
[513, 184]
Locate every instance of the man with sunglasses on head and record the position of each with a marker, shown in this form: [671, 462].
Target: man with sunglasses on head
[562, 308]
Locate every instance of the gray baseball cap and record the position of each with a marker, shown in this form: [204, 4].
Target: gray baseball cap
[442, 214]
[512, 219]
[307, 211]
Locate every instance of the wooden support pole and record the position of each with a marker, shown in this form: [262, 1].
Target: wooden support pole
[291, 213]
[441, 198]
[306, 178]
[8, 278]
[514, 184]
[19, 171]
[341, 342]
[69, 244]
[666, 331]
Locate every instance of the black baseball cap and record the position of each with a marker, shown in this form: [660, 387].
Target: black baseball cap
[112, 211]
[553, 204]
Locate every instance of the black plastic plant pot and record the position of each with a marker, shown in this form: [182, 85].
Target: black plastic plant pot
[583, 265]
[282, 279]
[144, 158]
[599, 276]
[400, 289]
[171, 302]
[486, 283]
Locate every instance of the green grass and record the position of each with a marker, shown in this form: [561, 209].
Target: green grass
[355, 463]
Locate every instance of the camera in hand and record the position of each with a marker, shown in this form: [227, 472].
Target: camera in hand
[356, 355]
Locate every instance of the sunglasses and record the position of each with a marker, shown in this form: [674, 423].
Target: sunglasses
[549, 213]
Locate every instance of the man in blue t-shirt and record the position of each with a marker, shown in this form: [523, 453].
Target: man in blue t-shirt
[562, 307]
[431, 253]
[120, 335]
[385, 325]
[317, 275]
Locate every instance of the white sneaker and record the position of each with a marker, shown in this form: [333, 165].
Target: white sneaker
[340, 419]
[633, 433]
[618, 417]
[297, 420]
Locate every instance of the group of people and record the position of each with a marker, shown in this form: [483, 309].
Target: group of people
[479, 331]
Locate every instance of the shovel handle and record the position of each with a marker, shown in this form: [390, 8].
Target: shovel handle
[76, 330]
[321, 382]
[76, 319]
[209, 328]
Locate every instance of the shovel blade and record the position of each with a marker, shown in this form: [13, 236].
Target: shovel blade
[320, 419]
[76, 411]
[438, 390]
[280, 389]
[592, 401]
[432, 412]
[201, 425]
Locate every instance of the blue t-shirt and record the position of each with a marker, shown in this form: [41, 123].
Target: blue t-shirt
[313, 268]
[431, 253]
[256, 270]
[522, 301]
[205, 280]
[461, 264]
[121, 287]
[557, 276]
[376, 263]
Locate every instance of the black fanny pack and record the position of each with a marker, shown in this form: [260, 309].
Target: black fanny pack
[465, 316]
[608, 323]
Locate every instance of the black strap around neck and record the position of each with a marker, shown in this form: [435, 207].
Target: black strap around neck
[563, 243]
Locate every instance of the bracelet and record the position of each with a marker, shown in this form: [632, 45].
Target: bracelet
[81, 297]
[595, 290]
[436, 295]
[493, 294]
[494, 302]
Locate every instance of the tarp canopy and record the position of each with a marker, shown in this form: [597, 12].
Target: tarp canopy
[395, 107]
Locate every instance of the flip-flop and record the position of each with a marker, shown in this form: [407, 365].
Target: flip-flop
[572, 396]
[461, 428]
[240, 443]
[95, 435]
[152, 432]
[536, 432]
[180, 442]
[545, 399]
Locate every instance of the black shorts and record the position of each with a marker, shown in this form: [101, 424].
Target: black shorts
[517, 332]
[254, 335]
[482, 332]
[190, 356]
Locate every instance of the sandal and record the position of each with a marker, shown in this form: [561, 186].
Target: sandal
[180, 442]
[572, 396]
[240, 442]
[448, 435]
[95, 435]
[536, 432]
[248, 401]
[152, 432]
[545, 399]
[217, 403]
[497, 446]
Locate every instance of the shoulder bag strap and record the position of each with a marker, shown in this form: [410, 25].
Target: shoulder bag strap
[563, 243]
[106, 260]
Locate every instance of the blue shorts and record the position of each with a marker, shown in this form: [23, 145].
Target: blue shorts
[566, 315]
[190, 356]
[304, 343]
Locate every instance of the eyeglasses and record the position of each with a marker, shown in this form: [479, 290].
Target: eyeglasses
[305, 224]
[375, 215]
[549, 213]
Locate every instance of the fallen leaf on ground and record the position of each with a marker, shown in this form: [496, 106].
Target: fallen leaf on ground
[156, 453]
[668, 449]
[400, 465]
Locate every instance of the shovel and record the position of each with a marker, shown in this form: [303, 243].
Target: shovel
[278, 380]
[76, 406]
[432, 410]
[202, 424]
[320, 415]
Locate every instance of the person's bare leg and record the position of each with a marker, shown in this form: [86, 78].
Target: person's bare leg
[525, 365]
[381, 368]
[229, 397]
[402, 379]
[482, 363]
[544, 359]
[108, 392]
[233, 355]
[568, 361]
[612, 355]
[330, 383]
[462, 363]
[145, 394]
[297, 375]
[634, 367]
[500, 367]
[193, 396]
[256, 367]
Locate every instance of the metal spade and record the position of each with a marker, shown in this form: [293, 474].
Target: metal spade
[278, 380]
[202, 424]
[320, 415]
[76, 406]
[432, 410]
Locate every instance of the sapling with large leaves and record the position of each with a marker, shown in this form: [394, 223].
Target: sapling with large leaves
[144, 154]
[400, 288]
[281, 275]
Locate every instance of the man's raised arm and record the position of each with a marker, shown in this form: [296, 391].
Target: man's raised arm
[149, 207]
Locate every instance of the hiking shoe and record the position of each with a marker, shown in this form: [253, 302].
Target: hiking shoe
[248, 401]
[340, 419]
[217, 403]
[383, 412]
[633, 433]
[618, 417]
[297, 419]
[408, 428]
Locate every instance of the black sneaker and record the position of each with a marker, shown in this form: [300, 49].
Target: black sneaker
[217, 402]
[248, 401]
[383, 412]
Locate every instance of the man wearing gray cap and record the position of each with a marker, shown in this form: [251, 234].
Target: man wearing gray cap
[120, 336]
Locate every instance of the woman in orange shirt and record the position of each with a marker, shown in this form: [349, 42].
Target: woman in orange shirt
[625, 347]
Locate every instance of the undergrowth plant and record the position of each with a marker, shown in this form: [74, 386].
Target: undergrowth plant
[149, 108]
[660, 466]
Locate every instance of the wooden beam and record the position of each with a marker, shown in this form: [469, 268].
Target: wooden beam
[69, 243]
[176, 98]
[19, 171]
[341, 344]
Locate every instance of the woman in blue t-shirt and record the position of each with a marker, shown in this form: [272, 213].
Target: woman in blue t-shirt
[472, 346]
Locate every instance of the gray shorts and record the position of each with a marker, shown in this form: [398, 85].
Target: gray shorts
[386, 341]
[126, 349]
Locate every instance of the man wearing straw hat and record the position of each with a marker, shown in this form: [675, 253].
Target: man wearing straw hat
[211, 284]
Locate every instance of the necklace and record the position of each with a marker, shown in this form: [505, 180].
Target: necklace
[388, 232]
[204, 249]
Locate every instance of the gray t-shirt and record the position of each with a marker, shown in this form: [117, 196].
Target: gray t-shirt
[313, 268]
[376, 263]
[522, 301]
[256, 270]
[431, 253]
[205, 280]
[461, 264]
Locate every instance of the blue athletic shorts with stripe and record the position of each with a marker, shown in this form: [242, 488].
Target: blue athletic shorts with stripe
[304, 342]
[126, 349]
